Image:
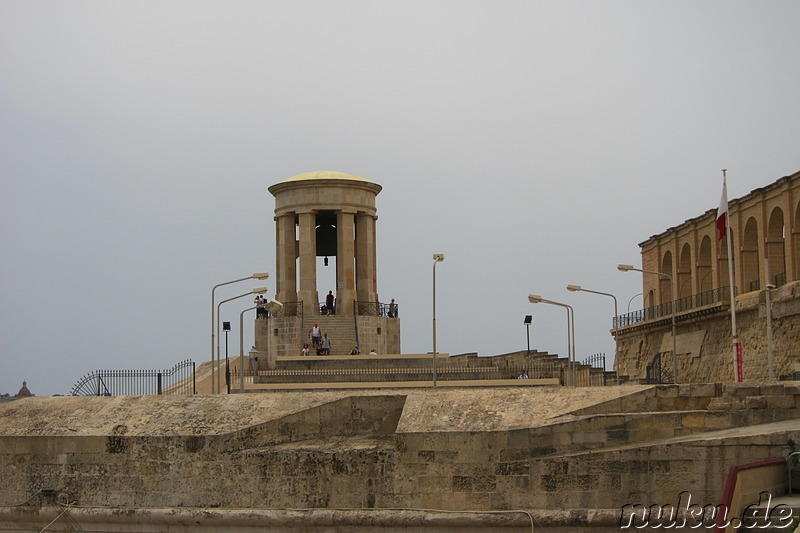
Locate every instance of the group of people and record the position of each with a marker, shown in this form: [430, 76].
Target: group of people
[321, 344]
[261, 312]
[319, 341]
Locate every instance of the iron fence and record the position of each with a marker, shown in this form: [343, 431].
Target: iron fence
[180, 379]
[655, 373]
[289, 309]
[597, 360]
[687, 303]
[376, 309]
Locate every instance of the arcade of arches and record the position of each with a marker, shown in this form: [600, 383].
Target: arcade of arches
[765, 224]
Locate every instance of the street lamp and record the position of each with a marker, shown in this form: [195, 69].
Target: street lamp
[631, 300]
[273, 306]
[257, 290]
[535, 299]
[437, 258]
[578, 288]
[257, 275]
[628, 268]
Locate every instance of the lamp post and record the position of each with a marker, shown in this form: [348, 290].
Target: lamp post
[628, 268]
[578, 288]
[631, 300]
[768, 301]
[535, 299]
[437, 258]
[527, 322]
[273, 306]
[226, 327]
[257, 290]
[257, 275]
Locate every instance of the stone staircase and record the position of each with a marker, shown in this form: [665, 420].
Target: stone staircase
[340, 329]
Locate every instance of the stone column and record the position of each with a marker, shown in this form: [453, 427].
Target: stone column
[345, 262]
[286, 260]
[366, 267]
[308, 263]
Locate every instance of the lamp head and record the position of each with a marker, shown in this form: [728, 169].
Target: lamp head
[574, 288]
[528, 319]
[260, 275]
[259, 290]
[438, 257]
[273, 306]
[624, 268]
[770, 286]
[534, 298]
[253, 350]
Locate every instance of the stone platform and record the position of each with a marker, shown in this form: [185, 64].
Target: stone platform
[491, 457]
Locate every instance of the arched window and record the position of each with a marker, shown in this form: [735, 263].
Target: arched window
[750, 259]
[776, 248]
[706, 282]
[796, 237]
[684, 282]
[664, 285]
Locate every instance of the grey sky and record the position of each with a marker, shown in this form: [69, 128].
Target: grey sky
[535, 144]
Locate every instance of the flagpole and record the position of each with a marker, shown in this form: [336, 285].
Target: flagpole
[729, 234]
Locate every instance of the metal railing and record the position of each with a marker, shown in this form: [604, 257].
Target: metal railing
[376, 309]
[289, 309]
[687, 303]
[537, 370]
[597, 360]
[180, 379]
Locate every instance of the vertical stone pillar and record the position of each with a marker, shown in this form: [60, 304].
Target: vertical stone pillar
[286, 259]
[345, 262]
[366, 267]
[308, 262]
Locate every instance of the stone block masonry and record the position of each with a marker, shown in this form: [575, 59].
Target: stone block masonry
[460, 450]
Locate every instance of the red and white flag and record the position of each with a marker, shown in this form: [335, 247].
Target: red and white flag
[722, 212]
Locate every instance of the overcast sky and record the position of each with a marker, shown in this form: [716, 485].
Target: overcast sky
[534, 143]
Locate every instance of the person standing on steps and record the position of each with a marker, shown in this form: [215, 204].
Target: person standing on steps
[315, 335]
[326, 345]
[329, 303]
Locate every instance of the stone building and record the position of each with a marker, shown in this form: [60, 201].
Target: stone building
[331, 215]
[764, 224]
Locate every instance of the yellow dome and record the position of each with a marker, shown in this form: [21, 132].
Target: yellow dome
[326, 175]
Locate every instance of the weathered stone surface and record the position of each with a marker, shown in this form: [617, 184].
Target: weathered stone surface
[454, 449]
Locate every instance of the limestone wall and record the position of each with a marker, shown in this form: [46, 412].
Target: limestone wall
[459, 449]
[379, 333]
[704, 342]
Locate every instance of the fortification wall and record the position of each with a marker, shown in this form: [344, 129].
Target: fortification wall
[458, 450]
[704, 343]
